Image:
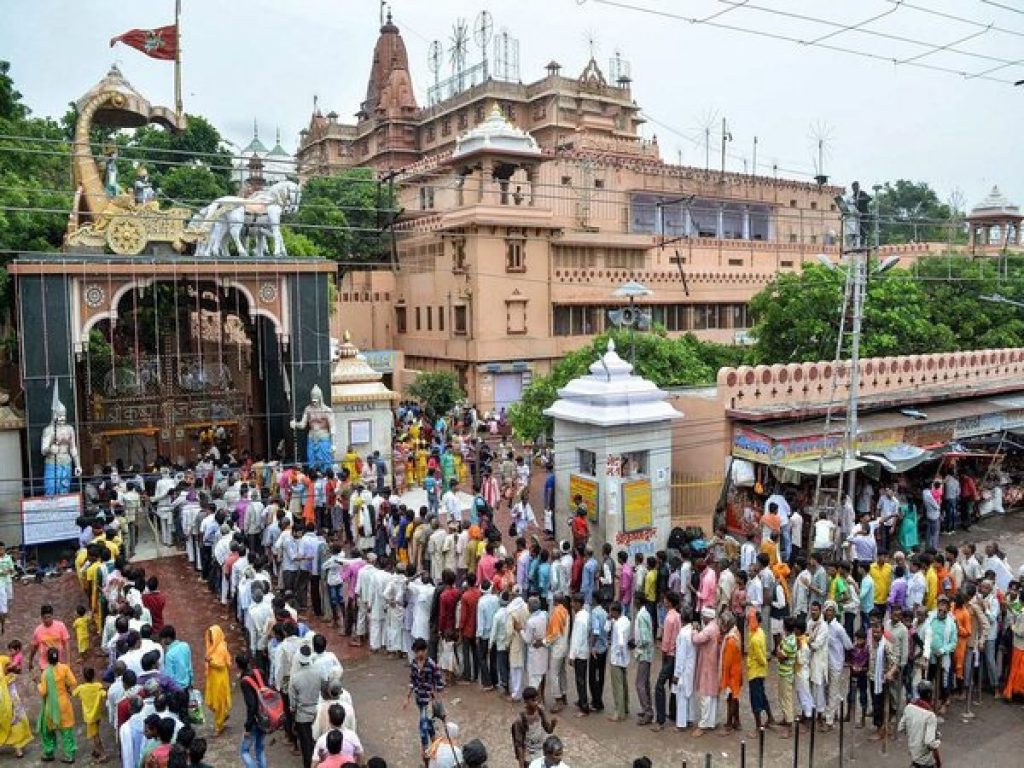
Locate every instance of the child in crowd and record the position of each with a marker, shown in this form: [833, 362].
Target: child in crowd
[81, 626]
[17, 657]
[93, 697]
[858, 658]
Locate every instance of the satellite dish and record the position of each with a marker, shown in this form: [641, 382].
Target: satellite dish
[435, 56]
[483, 29]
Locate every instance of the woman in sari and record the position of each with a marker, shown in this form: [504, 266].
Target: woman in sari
[57, 715]
[218, 681]
[908, 525]
[15, 730]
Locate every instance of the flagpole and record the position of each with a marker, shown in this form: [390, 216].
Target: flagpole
[177, 57]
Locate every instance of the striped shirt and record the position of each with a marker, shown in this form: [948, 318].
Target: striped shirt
[425, 682]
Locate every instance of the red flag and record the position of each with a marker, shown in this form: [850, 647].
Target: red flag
[159, 43]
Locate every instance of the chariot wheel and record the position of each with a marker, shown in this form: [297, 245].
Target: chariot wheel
[126, 237]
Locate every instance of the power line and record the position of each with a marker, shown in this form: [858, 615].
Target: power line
[778, 36]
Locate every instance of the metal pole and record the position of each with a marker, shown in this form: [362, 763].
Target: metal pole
[810, 744]
[842, 730]
[707, 760]
[858, 271]
[743, 753]
[969, 674]
[796, 742]
[760, 747]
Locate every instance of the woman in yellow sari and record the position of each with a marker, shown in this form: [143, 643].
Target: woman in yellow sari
[57, 715]
[218, 680]
[15, 730]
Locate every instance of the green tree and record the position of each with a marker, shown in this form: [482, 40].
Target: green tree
[191, 185]
[344, 215]
[798, 317]
[667, 362]
[436, 391]
[170, 153]
[912, 212]
[35, 190]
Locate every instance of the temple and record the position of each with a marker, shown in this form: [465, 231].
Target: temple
[526, 204]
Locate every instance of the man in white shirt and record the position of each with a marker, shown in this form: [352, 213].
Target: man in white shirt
[579, 651]
[618, 660]
[783, 511]
[451, 507]
[824, 537]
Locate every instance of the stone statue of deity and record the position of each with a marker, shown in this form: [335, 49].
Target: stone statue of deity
[60, 451]
[110, 173]
[143, 188]
[318, 419]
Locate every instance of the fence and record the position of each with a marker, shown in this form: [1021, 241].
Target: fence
[694, 498]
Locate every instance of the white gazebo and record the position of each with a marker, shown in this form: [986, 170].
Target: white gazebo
[362, 405]
[613, 448]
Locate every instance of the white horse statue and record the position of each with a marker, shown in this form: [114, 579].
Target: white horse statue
[227, 217]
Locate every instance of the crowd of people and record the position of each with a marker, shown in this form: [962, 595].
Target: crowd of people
[805, 621]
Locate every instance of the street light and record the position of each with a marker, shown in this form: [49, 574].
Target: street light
[630, 317]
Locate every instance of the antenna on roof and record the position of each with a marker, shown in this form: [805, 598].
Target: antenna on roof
[483, 31]
[619, 70]
[506, 57]
[821, 135]
[435, 54]
[457, 52]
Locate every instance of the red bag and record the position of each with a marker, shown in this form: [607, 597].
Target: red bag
[269, 703]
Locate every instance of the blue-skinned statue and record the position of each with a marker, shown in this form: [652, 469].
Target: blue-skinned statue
[318, 419]
[60, 451]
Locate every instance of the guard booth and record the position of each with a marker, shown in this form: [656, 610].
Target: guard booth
[613, 447]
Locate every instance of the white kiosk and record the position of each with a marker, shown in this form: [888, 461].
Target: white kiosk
[613, 448]
[362, 406]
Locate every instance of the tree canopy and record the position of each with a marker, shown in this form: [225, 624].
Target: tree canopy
[667, 362]
[436, 391]
[934, 306]
[912, 212]
[343, 215]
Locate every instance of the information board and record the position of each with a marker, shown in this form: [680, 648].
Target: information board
[50, 518]
[637, 511]
[587, 488]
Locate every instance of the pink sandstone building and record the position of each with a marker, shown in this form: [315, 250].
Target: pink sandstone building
[527, 204]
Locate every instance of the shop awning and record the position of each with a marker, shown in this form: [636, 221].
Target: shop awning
[899, 465]
[793, 472]
[828, 467]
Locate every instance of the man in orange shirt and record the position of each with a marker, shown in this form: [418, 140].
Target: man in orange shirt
[732, 671]
[557, 641]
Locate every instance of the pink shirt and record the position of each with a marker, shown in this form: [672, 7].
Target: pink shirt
[349, 576]
[485, 568]
[708, 588]
[52, 636]
[626, 584]
[670, 632]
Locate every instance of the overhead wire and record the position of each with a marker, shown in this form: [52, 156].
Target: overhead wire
[781, 37]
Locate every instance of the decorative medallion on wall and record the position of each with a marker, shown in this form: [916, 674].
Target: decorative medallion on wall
[94, 295]
[268, 292]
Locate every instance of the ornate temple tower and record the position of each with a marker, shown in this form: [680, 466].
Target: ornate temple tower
[389, 90]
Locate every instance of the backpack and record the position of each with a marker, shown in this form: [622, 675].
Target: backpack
[269, 703]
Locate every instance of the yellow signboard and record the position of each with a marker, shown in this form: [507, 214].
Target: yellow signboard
[637, 510]
[586, 487]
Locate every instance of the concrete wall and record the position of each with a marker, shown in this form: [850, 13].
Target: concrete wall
[10, 487]
[381, 422]
[656, 439]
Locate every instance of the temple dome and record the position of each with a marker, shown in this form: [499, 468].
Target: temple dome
[995, 204]
[353, 380]
[612, 395]
[496, 134]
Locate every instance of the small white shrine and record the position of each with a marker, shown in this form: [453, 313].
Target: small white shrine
[613, 448]
[11, 425]
[362, 406]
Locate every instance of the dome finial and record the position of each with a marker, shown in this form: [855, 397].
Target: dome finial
[611, 344]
